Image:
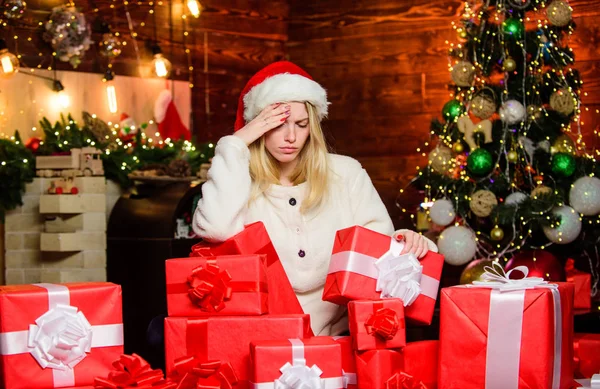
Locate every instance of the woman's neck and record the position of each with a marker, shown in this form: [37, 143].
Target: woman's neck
[285, 171]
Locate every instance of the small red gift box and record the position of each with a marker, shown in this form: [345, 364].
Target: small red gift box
[375, 367]
[217, 286]
[364, 261]
[506, 338]
[377, 324]
[227, 338]
[583, 285]
[586, 355]
[297, 363]
[421, 361]
[58, 335]
[348, 361]
[255, 240]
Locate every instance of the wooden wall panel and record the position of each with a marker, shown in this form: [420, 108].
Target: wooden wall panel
[385, 66]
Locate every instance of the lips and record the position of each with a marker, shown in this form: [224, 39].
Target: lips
[288, 150]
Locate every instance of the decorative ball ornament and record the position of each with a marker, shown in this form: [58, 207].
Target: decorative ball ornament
[509, 65]
[13, 9]
[515, 198]
[568, 228]
[513, 28]
[457, 244]
[562, 101]
[463, 34]
[442, 212]
[563, 164]
[512, 112]
[519, 4]
[452, 110]
[480, 162]
[540, 263]
[563, 144]
[584, 196]
[110, 45]
[69, 34]
[483, 202]
[33, 144]
[534, 112]
[483, 106]
[474, 271]
[458, 147]
[512, 156]
[497, 234]
[559, 13]
[540, 190]
[440, 159]
[463, 73]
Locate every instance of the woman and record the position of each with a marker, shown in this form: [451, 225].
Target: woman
[276, 169]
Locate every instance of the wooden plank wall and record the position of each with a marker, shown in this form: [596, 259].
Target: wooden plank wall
[242, 37]
[384, 64]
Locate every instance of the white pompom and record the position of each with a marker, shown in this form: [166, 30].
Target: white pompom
[515, 198]
[512, 112]
[584, 196]
[442, 212]
[568, 228]
[457, 244]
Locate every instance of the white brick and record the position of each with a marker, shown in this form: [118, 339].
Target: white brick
[19, 259]
[54, 204]
[93, 202]
[60, 241]
[15, 276]
[23, 222]
[57, 260]
[73, 275]
[32, 276]
[34, 187]
[93, 240]
[91, 184]
[31, 204]
[31, 241]
[13, 241]
[94, 259]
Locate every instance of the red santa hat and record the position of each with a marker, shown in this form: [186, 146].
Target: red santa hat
[277, 82]
[167, 117]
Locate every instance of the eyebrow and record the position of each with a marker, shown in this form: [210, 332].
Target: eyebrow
[301, 120]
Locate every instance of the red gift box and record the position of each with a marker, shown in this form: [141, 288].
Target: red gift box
[353, 274]
[506, 338]
[348, 361]
[75, 331]
[377, 324]
[375, 367]
[583, 285]
[315, 362]
[255, 240]
[226, 286]
[586, 349]
[227, 338]
[421, 361]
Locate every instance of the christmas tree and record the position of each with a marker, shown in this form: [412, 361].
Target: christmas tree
[510, 170]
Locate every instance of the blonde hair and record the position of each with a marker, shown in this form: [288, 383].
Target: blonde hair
[312, 166]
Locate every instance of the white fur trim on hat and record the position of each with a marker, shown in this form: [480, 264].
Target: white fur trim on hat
[161, 104]
[284, 87]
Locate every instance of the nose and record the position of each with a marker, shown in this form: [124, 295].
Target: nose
[290, 133]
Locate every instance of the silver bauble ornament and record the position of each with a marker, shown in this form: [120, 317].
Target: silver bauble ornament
[584, 196]
[568, 228]
[515, 198]
[442, 212]
[457, 244]
[13, 9]
[519, 4]
[559, 13]
[69, 34]
[463, 73]
[512, 112]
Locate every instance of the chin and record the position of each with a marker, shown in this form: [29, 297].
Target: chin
[286, 158]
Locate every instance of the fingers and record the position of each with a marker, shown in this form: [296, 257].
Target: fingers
[409, 238]
[273, 116]
[423, 247]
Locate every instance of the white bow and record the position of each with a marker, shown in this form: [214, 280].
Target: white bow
[495, 277]
[399, 275]
[593, 383]
[60, 338]
[299, 376]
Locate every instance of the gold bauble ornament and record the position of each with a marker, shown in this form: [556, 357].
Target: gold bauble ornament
[563, 144]
[463, 73]
[562, 101]
[462, 34]
[474, 271]
[483, 202]
[458, 147]
[559, 13]
[497, 234]
[512, 156]
[483, 106]
[509, 65]
[440, 159]
[540, 190]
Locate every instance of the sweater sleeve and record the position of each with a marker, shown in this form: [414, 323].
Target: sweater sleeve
[225, 194]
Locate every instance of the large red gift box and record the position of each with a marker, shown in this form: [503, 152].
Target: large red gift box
[254, 239]
[377, 324]
[58, 335]
[353, 274]
[586, 355]
[583, 285]
[506, 338]
[375, 367]
[312, 363]
[421, 361]
[227, 338]
[226, 285]
[348, 361]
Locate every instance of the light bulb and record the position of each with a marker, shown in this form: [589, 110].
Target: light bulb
[161, 66]
[62, 99]
[194, 7]
[9, 64]
[111, 95]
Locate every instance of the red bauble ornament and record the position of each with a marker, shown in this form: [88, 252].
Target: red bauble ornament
[59, 190]
[33, 143]
[545, 265]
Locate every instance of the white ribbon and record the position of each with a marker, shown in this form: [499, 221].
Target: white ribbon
[505, 324]
[399, 274]
[350, 379]
[593, 383]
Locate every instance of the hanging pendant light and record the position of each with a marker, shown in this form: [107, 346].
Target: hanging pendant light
[194, 7]
[9, 63]
[161, 67]
[61, 98]
[111, 93]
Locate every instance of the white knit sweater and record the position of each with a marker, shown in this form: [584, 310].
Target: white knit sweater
[303, 241]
